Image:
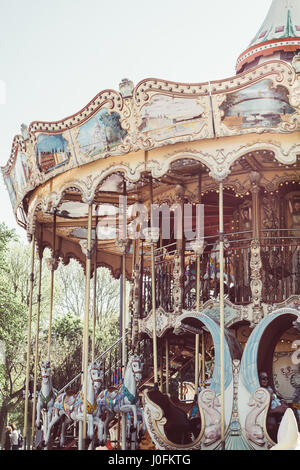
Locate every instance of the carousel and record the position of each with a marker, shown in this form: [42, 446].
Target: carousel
[191, 194]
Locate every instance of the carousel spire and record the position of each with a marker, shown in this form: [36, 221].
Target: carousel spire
[277, 38]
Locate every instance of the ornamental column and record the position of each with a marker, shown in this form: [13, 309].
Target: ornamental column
[255, 251]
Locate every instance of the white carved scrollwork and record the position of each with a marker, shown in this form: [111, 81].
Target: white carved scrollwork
[255, 420]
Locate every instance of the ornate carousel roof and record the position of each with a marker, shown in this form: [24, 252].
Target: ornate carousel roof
[227, 129]
[279, 32]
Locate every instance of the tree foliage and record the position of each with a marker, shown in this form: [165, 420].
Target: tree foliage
[12, 336]
[67, 327]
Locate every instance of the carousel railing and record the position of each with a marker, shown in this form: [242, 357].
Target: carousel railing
[279, 272]
[237, 251]
[164, 281]
[280, 255]
[106, 358]
[111, 363]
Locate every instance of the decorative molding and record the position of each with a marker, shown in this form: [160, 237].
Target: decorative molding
[178, 288]
[129, 108]
[164, 321]
[84, 247]
[209, 404]
[256, 282]
[255, 423]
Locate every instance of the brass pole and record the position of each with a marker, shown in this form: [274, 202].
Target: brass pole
[222, 365]
[52, 285]
[25, 430]
[154, 340]
[124, 229]
[95, 294]
[167, 366]
[197, 339]
[161, 367]
[85, 352]
[37, 335]
[124, 312]
[155, 365]
[203, 358]
[255, 177]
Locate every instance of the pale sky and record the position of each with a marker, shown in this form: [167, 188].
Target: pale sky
[56, 56]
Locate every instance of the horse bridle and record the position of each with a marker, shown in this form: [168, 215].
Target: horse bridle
[139, 371]
[46, 376]
[95, 380]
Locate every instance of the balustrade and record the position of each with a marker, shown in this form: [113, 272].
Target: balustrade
[280, 255]
[270, 264]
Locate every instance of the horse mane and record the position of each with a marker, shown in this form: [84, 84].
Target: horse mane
[128, 365]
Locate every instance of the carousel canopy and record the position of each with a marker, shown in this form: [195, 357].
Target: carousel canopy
[279, 32]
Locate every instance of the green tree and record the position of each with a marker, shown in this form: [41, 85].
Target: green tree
[12, 336]
[72, 282]
[66, 346]
[67, 333]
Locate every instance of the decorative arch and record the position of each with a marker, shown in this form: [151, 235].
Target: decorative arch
[208, 400]
[262, 342]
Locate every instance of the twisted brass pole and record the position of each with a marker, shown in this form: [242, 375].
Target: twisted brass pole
[52, 284]
[25, 430]
[86, 321]
[222, 365]
[197, 338]
[154, 332]
[37, 337]
[95, 294]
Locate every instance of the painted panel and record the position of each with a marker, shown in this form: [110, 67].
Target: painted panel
[21, 171]
[18, 177]
[52, 151]
[260, 105]
[165, 117]
[11, 190]
[102, 133]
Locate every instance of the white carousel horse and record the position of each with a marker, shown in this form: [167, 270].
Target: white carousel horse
[46, 397]
[288, 437]
[123, 399]
[70, 405]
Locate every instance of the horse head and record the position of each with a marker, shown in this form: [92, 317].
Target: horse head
[46, 371]
[96, 375]
[136, 366]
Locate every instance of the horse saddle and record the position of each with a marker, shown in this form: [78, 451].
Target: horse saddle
[69, 401]
[109, 397]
